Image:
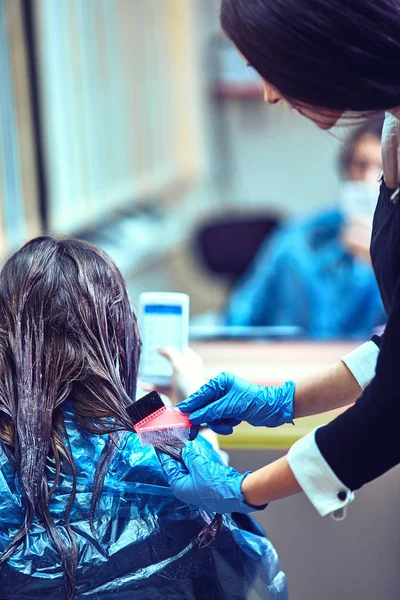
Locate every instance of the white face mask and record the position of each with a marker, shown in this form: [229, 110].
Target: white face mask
[358, 199]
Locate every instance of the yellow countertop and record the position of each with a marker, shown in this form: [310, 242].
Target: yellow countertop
[247, 437]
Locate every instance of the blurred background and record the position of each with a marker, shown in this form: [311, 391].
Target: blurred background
[135, 125]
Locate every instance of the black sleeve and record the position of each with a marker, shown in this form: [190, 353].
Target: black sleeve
[363, 442]
[377, 339]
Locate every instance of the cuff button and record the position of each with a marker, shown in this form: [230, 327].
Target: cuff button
[342, 496]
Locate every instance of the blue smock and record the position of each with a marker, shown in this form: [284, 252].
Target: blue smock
[304, 276]
[146, 547]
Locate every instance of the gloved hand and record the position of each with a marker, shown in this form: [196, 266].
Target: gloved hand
[227, 400]
[205, 483]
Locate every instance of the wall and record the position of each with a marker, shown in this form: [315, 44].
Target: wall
[270, 156]
[257, 157]
[277, 158]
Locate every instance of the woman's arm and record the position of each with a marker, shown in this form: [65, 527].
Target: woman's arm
[328, 466]
[332, 388]
[340, 384]
[226, 400]
[357, 447]
[273, 482]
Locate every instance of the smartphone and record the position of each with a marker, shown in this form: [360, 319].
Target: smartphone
[163, 321]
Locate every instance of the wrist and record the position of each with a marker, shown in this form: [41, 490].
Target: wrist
[280, 404]
[245, 487]
[250, 491]
[287, 412]
[272, 482]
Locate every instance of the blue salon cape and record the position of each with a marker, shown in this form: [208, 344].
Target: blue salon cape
[304, 276]
[146, 547]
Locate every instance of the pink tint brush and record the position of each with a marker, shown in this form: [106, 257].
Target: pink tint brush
[167, 429]
[157, 424]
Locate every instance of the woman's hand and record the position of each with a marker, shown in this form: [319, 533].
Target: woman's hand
[205, 483]
[227, 400]
[187, 374]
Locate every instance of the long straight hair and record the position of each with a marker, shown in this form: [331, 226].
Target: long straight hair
[329, 54]
[66, 331]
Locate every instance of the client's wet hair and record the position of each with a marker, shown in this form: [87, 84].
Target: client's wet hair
[66, 331]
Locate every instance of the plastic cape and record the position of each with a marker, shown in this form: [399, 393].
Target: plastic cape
[146, 547]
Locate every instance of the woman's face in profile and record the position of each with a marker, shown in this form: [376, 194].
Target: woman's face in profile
[324, 119]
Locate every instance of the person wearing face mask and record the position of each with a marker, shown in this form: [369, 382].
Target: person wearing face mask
[315, 272]
[327, 59]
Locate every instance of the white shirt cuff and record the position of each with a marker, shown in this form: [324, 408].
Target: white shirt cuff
[362, 363]
[318, 481]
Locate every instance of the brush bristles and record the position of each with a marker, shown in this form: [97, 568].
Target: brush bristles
[144, 407]
[164, 436]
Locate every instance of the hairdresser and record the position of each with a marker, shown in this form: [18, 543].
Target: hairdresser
[326, 59]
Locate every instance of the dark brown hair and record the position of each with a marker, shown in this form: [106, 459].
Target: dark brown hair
[321, 53]
[66, 331]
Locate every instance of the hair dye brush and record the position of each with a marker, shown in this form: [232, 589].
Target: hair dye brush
[159, 425]
[167, 429]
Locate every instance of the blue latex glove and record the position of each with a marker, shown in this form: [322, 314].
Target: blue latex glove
[227, 400]
[210, 485]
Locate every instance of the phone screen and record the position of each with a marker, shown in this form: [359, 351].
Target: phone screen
[161, 327]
